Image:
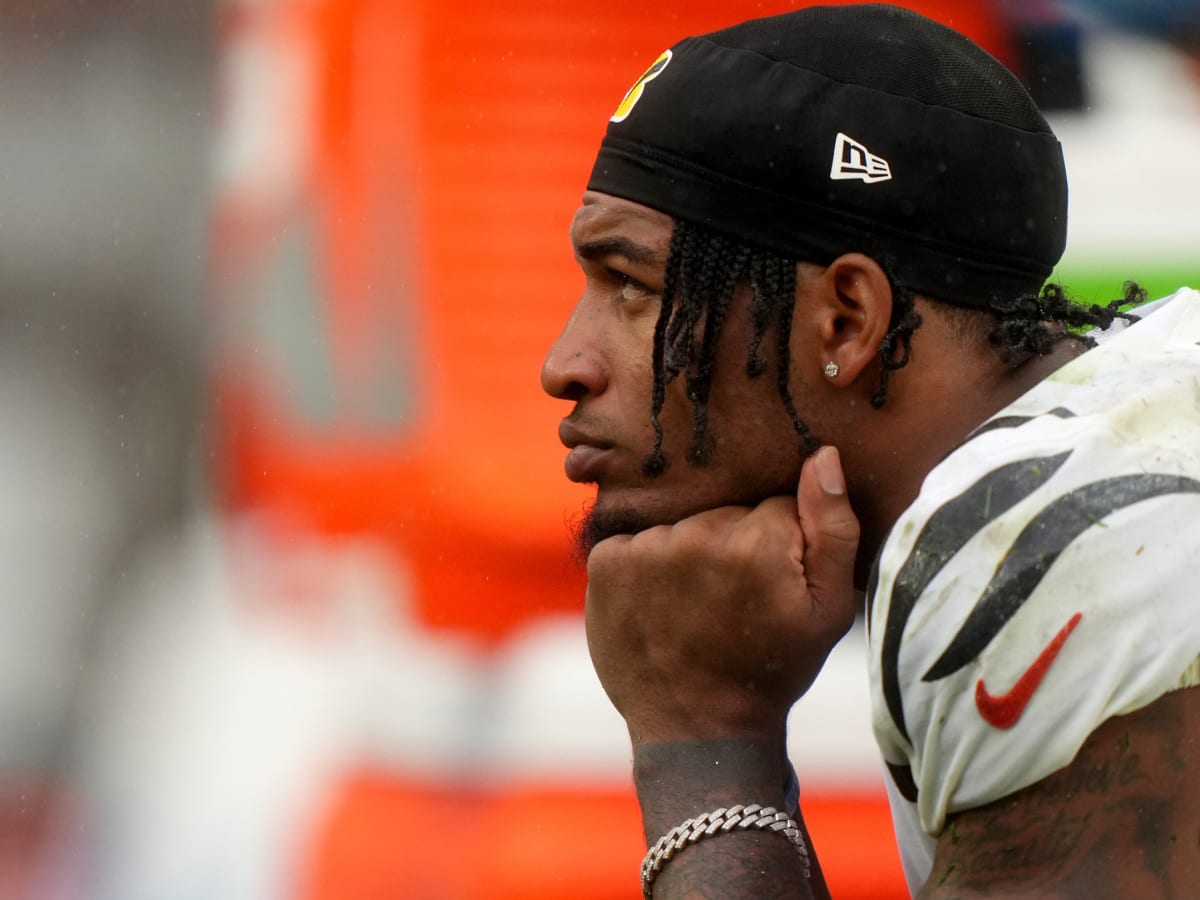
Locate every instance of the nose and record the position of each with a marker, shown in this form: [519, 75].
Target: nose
[574, 367]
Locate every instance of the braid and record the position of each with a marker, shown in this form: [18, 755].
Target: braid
[727, 263]
[702, 273]
[896, 346]
[679, 351]
[1021, 327]
[760, 315]
[703, 270]
[655, 464]
[1031, 325]
[785, 302]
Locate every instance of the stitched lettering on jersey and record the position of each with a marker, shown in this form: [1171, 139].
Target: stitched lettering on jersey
[1036, 548]
[946, 532]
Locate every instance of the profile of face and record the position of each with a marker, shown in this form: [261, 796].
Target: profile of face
[602, 364]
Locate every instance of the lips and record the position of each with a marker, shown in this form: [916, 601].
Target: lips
[588, 452]
[584, 463]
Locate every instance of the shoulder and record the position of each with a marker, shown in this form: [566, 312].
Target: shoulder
[1039, 584]
[1118, 424]
[1120, 820]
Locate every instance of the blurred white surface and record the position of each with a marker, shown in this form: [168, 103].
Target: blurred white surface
[1133, 159]
[211, 715]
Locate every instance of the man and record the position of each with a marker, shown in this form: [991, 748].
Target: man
[814, 356]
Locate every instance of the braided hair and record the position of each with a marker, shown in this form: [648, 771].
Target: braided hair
[703, 269]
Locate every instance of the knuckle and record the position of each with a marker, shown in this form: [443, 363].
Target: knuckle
[607, 553]
[842, 532]
[697, 534]
[649, 542]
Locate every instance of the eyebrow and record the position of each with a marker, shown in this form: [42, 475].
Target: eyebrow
[619, 246]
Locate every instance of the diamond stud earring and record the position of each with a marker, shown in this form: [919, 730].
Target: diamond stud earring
[831, 369]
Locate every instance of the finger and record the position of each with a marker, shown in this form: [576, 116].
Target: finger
[830, 527]
[606, 552]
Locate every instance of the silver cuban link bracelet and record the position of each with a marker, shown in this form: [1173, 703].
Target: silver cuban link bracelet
[715, 823]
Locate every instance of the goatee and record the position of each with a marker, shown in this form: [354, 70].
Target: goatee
[594, 526]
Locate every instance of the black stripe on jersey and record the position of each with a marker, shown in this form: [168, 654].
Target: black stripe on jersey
[1016, 421]
[1037, 547]
[944, 535]
[902, 777]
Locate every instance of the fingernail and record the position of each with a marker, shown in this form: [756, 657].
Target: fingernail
[829, 471]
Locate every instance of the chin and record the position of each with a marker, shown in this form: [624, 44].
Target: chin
[601, 521]
[662, 500]
[629, 512]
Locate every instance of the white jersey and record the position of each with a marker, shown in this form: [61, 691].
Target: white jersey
[1044, 580]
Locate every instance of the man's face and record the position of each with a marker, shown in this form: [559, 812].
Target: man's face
[602, 363]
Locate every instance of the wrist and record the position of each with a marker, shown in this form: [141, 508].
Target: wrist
[739, 716]
[680, 779]
[719, 823]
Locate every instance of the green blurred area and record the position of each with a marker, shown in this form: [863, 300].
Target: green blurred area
[1102, 283]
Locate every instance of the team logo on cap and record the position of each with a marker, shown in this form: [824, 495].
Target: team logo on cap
[634, 94]
[854, 162]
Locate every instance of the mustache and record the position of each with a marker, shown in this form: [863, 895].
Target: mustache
[597, 430]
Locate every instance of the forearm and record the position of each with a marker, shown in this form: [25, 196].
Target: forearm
[679, 780]
[704, 634]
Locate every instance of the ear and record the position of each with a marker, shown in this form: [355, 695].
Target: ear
[852, 314]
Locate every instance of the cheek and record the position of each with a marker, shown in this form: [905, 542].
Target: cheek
[752, 429]
[635, 379]
[759, 447]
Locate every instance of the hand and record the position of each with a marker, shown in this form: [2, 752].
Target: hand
[714, 626]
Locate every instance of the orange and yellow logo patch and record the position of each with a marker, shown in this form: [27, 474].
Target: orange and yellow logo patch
[634, 94]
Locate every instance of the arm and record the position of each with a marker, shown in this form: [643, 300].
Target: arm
[704, 634]
[1123, 820]
[678, 780]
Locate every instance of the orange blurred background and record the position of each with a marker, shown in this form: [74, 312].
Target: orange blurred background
[420, 224]
[289, 608]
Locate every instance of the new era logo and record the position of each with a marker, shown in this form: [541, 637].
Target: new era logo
[854, 162]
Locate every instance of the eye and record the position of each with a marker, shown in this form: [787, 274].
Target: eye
[630, 289]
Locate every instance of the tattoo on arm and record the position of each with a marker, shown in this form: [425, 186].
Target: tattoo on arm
[1122, 820]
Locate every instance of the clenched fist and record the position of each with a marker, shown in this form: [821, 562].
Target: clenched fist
[714, 626]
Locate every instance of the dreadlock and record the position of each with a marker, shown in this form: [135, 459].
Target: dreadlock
[703, 269]
[1031, 325]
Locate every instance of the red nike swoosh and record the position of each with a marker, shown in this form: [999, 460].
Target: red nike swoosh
[1004, 710]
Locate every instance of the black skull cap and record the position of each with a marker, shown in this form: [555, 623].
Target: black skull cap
[849, 128]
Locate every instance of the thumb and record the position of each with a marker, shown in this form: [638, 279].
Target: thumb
[830, 527]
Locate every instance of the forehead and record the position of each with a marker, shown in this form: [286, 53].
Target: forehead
[603, 217]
